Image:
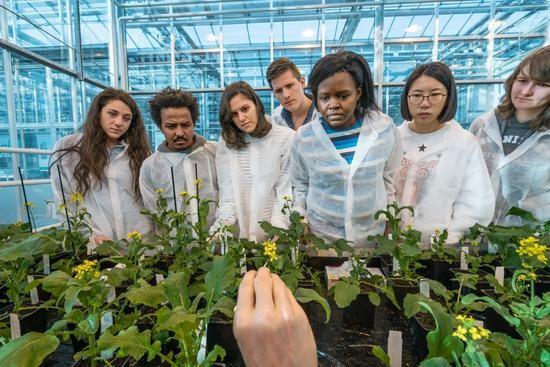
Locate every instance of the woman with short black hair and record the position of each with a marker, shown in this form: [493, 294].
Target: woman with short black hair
[252, 162]
[443, 175]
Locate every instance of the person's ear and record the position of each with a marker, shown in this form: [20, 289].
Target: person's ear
[303, 82]
[359, 92]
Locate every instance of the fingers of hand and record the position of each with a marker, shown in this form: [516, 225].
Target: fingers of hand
[263, 288]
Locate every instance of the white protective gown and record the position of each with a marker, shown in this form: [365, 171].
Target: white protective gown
[113, 208]
[339, 200]
[447, 183]
[253, 182]
[521, 178]
[156, 174]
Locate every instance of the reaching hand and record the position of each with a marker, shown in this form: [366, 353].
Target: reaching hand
[270, 326]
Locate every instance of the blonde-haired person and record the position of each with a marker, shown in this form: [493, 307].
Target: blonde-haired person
[102, 163]
[515, 140]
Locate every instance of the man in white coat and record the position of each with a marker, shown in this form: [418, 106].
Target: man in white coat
[287, 84]
[184, 154]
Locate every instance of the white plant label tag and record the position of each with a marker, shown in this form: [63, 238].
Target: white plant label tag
[293, 255]
[242, 264]
[499, 274]
[112, 295]
[463, 263]
[395, 348]
[492, 248]
[395, 265]
[46, 261]
[106, 322]
[15, 326]
[159, 278]
[390, 236]
[432, 241]
[425, 288]
[33, 292]
[478, 323]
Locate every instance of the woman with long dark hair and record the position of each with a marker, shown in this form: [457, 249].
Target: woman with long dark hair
[515, 140]
[252, 162]
[102, 164]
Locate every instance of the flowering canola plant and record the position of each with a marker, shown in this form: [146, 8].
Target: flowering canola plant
[87, 270]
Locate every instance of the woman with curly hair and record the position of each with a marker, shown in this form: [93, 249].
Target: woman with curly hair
[102, 163]
[515, 140]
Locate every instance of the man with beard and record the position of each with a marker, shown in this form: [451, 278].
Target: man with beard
[183, 162]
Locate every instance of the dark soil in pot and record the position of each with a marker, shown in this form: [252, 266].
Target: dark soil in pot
[420, 325]
[401, 288]
[361, 311]
[220, 332]
[494, 322]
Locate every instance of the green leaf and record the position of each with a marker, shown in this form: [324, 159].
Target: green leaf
[33, 245]
[56, 282]
[178, 321]
[379, 353]
[374, 298]
[89, 325]
[175, 288]
[501, 310]
[305, 295]
[28, 350]
[435, 362]
[131, 342]
[220, 278]
[225, 305]
[345, 292]
[213, 356]
[523, 214]
[146, 294]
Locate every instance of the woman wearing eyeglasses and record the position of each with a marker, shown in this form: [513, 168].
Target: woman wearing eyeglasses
[443, 175]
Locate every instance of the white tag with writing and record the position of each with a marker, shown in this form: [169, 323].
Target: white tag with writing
[425, 288]
[395, 265]
[46, 261]
[492, 248]
[33, 292]
[15, 326]
[293, 255]
[159, 278]
[463, 263]
[478, 323]
[106, 322]
[499, 274]
[242, 264]
[112, 295]
[395, 348]
[390, 236]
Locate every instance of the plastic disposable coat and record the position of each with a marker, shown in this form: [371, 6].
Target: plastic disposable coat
[156, 174]
[449, 187]
[253, 182]
[113, 207]
[339, 200]
[521, 178]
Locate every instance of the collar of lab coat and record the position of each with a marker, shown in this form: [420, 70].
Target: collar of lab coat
[374, 123]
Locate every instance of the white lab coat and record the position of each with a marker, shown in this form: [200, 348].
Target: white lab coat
[521, 178]
[277, 119]
[448, 186]
[339, 200]
[253, 181]
[113, 208]
[156, 174]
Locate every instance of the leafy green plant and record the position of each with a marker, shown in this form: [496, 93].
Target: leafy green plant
[440, 250]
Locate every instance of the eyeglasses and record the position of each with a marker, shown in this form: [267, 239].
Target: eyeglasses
[434, 98]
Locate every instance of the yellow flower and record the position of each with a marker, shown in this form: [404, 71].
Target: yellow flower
[437, 231]
[76, 197]
[183, 193]
[198, 182]
[464, 318]
[522, 277]
[408, 227]
[542, 258]
[159, 191]
[287, 198]
[484, 332]
[460, 332]
[270, 250]
[62, 207]
[475, 243]
[474, 332]
[532, 276]
[134, 235]
[86, 270]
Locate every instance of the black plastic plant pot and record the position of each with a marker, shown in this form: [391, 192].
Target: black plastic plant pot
[542, 284]
[319, 262]
[440, 271]
[401, 288]
[494, 322]
[420, 325]
[386, 265]
[480, 285]
[4, 301]
[220, 332]
[360, 312]
[35, 319]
